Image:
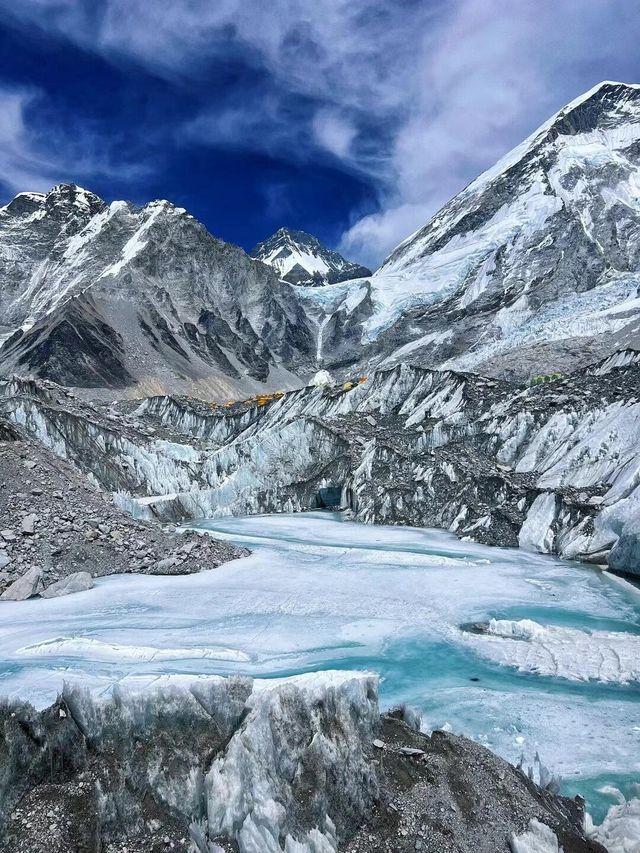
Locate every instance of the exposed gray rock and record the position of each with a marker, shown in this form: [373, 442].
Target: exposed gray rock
[76, 582]
[24, 587]
[76, 529]
[165, 564]
[28, 524]
[172, 766]
[155, 302]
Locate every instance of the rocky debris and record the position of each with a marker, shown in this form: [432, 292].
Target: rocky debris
[58, 531]
[403, 446]
[165, 770]
[446, 794]
[28, 524]
[77, 582]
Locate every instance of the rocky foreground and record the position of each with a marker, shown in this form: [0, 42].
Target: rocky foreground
[58, 531]
[305, 766]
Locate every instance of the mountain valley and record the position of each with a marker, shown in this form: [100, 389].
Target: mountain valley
[178, 419]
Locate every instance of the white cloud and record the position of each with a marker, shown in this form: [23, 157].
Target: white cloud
[21, 167]
[333, 132]
[488, 78]
[374, 235]
[35, 155]
[420, 97]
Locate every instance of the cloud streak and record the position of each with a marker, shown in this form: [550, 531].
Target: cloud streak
[417, 97]
[35, 153]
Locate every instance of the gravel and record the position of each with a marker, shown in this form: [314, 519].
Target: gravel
[56, 526]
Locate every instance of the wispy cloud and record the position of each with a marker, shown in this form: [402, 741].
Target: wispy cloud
[36, 153]
[489, 77]
[21, 167]
[419, 97]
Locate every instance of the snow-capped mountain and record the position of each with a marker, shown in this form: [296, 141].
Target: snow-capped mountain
[532, 268]
[114, 295]
[300, 258]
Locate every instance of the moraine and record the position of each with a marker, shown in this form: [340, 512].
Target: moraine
[321, 593]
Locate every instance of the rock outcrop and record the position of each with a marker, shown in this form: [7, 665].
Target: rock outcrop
[305, 766]
[58, 531]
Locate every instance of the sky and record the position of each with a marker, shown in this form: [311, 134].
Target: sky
[352, 119]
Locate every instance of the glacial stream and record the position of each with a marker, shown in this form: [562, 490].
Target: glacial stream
[558, 675]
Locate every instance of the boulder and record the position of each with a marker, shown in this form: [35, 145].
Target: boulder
[29, 524]
[29, 584]
[165, 565]
[77, 582]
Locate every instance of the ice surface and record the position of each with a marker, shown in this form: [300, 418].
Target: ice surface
[321, 593]
[620, 830]
[577, 655]
[538, 838]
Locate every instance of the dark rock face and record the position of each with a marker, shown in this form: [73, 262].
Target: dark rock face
[72, 346]
[301, 259]
[165, 769]
[141, 298]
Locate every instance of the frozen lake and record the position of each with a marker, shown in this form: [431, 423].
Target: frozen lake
[321, 593]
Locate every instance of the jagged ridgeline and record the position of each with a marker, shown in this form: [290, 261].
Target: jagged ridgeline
[118, 296]
[531, 270]
[300, 258]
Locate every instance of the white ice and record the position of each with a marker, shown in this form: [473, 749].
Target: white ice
[319, 593]
[577, 655]
[537, 838]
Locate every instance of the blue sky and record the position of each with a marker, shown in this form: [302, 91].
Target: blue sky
[352, 119]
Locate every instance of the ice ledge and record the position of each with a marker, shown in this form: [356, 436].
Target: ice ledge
[236, 758]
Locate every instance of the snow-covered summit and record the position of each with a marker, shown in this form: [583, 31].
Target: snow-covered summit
[117, 295]
[534, 267]
[300, 258]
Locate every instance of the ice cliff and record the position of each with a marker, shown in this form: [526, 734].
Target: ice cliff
[552, 467]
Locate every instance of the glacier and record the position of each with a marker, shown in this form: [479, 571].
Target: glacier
[553, 467]
[321, 593]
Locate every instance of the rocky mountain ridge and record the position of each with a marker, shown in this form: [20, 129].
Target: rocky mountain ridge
[140, 298]
[532, 269]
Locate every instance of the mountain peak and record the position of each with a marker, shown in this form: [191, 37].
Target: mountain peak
[300, 258]
[609, 109]
[61, 202]
[69, 194]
